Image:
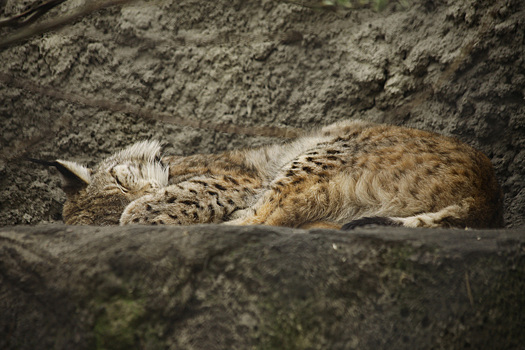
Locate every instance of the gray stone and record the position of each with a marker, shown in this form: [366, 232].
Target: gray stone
[221, 287]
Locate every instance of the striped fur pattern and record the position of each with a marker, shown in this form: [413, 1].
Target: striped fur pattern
[350, 172]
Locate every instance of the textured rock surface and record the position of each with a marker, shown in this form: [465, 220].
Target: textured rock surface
[456, 67]
[219, 287]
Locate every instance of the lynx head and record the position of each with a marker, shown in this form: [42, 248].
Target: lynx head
[99, 196]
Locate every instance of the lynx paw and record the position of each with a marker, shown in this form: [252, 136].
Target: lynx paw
[147, 210]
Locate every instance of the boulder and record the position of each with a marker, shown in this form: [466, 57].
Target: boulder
[222, 287]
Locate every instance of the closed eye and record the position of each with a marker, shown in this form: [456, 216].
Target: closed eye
[119, 184]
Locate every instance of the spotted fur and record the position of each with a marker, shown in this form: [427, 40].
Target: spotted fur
[344, 172]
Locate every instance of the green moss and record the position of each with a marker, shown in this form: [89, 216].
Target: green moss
[398, 257]
[287, 328]
[115, 327]
[399, 267]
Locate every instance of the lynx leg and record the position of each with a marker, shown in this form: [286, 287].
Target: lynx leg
[285, 204]
[451, 216]
[160, 209]
[255, 215]
[199, 200]
[456, 215]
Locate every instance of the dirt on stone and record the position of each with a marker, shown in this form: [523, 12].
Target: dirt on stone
[454, 67]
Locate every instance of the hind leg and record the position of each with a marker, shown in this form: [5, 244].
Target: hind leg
[451, 216]
[285, 204]
[456, 215]
[266, 211]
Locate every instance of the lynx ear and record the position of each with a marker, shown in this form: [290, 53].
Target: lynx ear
[74, 176]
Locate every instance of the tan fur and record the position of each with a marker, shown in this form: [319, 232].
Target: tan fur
[345, 171]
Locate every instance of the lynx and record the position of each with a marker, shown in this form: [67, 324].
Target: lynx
[348, 174]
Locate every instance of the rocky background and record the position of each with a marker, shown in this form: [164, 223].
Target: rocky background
[109, 79]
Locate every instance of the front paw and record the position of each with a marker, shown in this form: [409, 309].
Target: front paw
[235, 222]
[147, 210]
[240, 217]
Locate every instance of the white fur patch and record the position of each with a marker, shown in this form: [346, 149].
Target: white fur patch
[158, 173]
[136, 166]
[144, 150]
[434, 219]
[422, 220]
[80, 171]
[270, 160]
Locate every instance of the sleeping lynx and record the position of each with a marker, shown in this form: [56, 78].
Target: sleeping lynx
[351, 172]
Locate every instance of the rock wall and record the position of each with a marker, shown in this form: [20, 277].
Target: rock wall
[455, 67]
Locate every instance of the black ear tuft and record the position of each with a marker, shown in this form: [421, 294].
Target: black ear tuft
[43, 162]
[74, 176]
